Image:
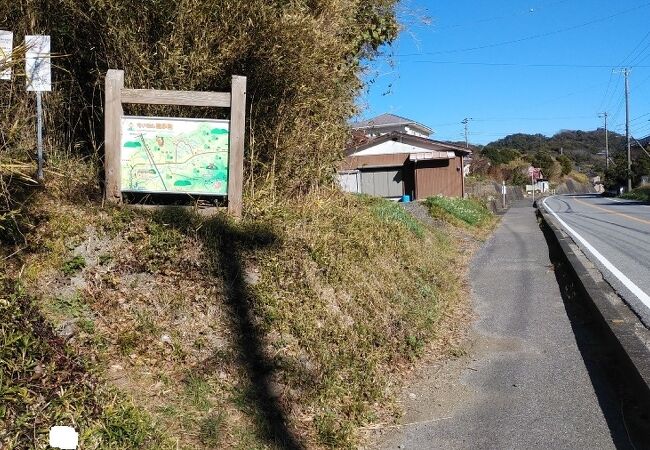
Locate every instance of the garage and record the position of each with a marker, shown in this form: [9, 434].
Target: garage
[397, 164]
[383, 182]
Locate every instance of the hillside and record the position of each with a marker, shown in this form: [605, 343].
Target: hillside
[585, 148]
[181, 327]
[291, 328]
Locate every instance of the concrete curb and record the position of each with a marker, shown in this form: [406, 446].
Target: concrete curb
[621, 327]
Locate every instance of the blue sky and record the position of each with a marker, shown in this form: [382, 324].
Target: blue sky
[515, 66]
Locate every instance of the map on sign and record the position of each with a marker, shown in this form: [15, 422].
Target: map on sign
[188, 156]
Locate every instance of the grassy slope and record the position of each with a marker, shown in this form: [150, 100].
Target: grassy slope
[642, 193]
[468, 213]
[290, 325]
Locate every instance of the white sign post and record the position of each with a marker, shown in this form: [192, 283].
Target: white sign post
[6, 48]
[38, 71]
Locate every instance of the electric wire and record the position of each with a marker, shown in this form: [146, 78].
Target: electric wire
[531, 37]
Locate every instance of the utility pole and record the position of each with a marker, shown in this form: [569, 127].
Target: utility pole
[604, 115]
[626, 73]
[466, 123]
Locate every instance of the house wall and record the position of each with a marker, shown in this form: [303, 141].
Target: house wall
[359, 162]
[392, 147]
[439, 177]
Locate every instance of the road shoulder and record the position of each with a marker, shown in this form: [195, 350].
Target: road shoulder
[619, 324]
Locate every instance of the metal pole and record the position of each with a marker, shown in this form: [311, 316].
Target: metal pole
[466, 141]
[39, 135]
[466, 123]
[626, 72]
[503, 192]
[532, 183]
[606, 143]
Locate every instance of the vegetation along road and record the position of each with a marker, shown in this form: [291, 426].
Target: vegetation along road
[615, 236]
[533, 377]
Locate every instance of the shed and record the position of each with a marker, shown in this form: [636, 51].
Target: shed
[396, 163]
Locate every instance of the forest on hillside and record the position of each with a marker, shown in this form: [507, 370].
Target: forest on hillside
[566, 152]
[583, 147]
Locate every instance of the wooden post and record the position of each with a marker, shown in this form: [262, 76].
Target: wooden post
[113, 134]
[237, 133]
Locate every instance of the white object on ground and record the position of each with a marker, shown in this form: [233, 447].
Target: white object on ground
[65, 438]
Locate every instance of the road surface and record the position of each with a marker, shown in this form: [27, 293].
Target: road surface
[531, 378]
[615, 235]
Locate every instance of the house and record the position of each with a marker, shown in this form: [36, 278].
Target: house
[391, 156]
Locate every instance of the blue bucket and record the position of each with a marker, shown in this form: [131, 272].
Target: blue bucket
[406, 198]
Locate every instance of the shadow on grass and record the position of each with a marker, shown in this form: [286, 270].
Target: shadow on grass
[227, 243]
[626, 417]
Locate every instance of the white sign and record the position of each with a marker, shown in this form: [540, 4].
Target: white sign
[6, 47]
[65, 438]
[37, 63]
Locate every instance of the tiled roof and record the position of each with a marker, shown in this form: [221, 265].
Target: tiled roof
[385, 120]
[418, 141]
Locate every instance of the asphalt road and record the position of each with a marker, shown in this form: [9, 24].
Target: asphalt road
[619, 232]
[531, 379]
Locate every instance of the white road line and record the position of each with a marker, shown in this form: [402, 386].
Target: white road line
[642, 296]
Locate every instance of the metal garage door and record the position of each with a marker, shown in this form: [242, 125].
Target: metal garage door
[349, 181]
[385, 182]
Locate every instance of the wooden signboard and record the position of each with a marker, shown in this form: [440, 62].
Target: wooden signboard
[174, 155]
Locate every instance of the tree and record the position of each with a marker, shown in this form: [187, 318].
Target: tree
[543, 160]
[566, 163]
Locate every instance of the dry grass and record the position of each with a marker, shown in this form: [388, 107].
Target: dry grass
[341, 294]
[579, 177]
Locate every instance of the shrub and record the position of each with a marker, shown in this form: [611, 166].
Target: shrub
[302, 60]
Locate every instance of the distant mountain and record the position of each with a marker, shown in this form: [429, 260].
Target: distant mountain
[585, 148]
[579, 145]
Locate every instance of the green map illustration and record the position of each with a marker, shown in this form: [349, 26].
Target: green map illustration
[174, 156]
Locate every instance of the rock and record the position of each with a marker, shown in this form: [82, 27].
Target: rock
[38, 371]
[412, 396]
[67, 329]
[252, 276]
[167, 339]
[276, 389]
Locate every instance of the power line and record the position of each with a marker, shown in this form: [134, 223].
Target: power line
[612, 97]
[609, 83]
[507, 119]
[636, 58]
[638, 117]
[634, 50]
[535, 36]
[496, 18]
[477, 63]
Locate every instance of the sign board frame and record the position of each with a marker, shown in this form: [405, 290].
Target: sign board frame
[116, 95]
[6, 51]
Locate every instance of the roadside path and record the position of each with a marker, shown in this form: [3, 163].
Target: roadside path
[529, 379]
